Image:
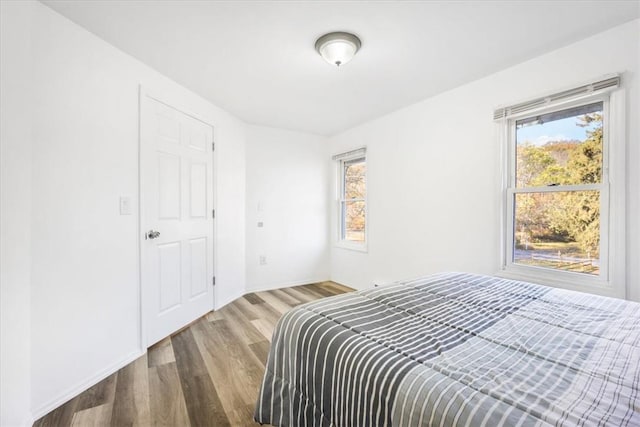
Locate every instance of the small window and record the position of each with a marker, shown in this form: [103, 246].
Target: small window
[352, 199]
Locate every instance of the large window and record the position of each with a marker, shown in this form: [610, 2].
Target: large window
[559, 192]
[558, 195]
[352, 199]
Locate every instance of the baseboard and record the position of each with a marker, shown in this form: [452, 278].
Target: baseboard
[274, 286]
[82, 386]
[222, 303]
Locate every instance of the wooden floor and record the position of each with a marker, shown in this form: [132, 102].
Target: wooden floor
[207, 374]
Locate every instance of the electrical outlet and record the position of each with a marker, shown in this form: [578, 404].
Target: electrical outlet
[125, 205]
[263, 260]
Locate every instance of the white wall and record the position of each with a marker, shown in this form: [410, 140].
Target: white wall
[82, 256]
[69, 273]
[633, 185]
[287, 188]
[230, 176]
[15, 209]
[434, 167]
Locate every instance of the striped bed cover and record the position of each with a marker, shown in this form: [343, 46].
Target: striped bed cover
[455, 349]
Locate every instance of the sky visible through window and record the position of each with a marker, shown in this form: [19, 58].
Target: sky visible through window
[557, 130]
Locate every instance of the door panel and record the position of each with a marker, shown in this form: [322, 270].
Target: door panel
[176, 200]
[199, 140]
[168, 186]
[170, 280]
[198, 272]
[167, 125]
[198, 190]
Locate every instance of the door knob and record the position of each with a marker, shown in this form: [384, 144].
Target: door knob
[151, 234]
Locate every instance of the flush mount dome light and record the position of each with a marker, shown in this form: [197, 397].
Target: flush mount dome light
[338, 48]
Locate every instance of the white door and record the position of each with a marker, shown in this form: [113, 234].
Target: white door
[176, 218]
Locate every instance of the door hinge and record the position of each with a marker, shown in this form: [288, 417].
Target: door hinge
[213, 213]
[213, 282]
[213, 146]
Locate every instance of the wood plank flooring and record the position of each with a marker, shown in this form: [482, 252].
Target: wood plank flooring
[205, 375]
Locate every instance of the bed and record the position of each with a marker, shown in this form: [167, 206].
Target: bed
[455, 349]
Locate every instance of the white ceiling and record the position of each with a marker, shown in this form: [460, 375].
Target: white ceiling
[257, 59]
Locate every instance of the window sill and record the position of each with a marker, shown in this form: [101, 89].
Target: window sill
[352, 246]
[563, 280]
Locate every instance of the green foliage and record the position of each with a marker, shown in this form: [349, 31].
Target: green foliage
[569, 216]
[532, 163]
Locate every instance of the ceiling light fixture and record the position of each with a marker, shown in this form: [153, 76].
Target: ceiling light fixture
[338, 48]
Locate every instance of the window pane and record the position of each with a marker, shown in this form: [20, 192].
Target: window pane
[354, 179]
[353, 214]
[558, 230]
[560, 148]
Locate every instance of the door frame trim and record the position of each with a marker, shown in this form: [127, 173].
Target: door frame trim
[163, 97]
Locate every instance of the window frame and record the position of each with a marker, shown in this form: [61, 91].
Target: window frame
[610, 281]
[340, 200]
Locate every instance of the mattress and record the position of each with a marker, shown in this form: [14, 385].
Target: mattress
[455, 349]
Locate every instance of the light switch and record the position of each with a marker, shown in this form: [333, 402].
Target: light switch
[125, 205]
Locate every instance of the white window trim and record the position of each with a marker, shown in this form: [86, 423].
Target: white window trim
[338, 242]
[612, 280]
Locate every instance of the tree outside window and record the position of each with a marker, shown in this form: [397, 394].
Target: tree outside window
[353, 200]
[558, 184]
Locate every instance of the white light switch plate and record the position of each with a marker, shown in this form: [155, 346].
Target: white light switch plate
[125, 205]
